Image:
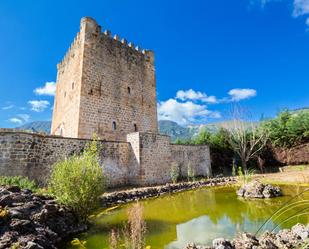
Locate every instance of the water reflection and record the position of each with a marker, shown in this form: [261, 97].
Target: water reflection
[202, 231]
[194, 216]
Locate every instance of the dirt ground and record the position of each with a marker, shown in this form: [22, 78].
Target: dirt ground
[289, 176]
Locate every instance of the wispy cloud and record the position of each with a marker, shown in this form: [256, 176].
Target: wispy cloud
[300, 7]
[195, 95]
[20, 119]
[184, 112]
[16, 121]
[38, 105]
[238, 94]
[8, 107]
[48, 89]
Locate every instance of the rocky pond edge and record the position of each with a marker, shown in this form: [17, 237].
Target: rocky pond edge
[129, 195]
[32, 221]
[295, 238]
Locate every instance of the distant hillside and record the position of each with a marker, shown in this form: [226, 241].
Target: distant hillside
[174, 130]
[38, 126]
[166, 127]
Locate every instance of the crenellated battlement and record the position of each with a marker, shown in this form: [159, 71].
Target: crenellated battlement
[90, 25]
[70, 52]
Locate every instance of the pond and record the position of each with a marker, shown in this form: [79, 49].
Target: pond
[195, 216]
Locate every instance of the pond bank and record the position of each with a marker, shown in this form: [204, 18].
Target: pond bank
[296, 237]
[32, 221]
[129, 195]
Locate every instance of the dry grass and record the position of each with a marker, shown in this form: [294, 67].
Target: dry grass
[133, 233]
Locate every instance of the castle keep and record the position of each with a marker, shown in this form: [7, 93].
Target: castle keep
[105, 86]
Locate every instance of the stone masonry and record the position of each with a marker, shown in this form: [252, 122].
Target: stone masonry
[105, 86]
[145, 159]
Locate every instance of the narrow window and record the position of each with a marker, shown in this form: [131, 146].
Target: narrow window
[114, 126]
[65, 94]
[135, 127]
[72, 85]
[129, 90]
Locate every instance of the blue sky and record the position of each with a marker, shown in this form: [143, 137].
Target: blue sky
[254, 52]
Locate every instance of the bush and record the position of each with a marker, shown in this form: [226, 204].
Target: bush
[174, 172]
[78, 181]
[191, 172]
[20, 181]
[288, 129]
[216, 140]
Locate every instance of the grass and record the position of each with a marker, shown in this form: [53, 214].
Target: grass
[20, 181]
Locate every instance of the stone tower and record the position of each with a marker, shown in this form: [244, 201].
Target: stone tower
[104, 86]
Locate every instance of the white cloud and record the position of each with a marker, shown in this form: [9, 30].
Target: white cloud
[7, 107]
[301, 7]
[16, 121]
[238, 94]
[24, 117]
[20, 119]
[184, 113]
[38, 105]
[48, 89]
[193, 95]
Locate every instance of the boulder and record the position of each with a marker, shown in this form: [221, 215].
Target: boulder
[256, 189]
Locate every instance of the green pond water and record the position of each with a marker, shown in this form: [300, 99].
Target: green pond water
[194, 216]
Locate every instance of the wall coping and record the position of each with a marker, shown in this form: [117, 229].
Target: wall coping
[191, 145]
[35, 134]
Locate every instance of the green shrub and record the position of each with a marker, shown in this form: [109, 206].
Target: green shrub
[20, 181]
[174, 172]
[288, 129]
[191, 172]
[78, 181]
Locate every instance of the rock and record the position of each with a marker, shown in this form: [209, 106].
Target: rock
[34, 221]
[301, 231]
[13, 189]
[256, 189]
[245, 241]
[21, 226]
[267, 241]
[222, 243]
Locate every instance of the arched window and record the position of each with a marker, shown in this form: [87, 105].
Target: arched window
[114, 126]
[135, 127]
[72, 85]
[129, 90]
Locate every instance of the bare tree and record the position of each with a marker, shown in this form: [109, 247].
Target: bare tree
[245, 138]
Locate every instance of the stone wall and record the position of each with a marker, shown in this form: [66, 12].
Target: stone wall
[145, 159]
[33, 155]
[197, 156]
[157, 155]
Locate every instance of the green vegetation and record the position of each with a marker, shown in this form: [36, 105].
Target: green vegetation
[174, 172]
[245, 177]
[78, 181]
[20, 181]
[288, 129]
[191, 172]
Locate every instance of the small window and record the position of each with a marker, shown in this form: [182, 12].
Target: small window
[65, 94]
[129, 90]
[72, 85]
[114, 126]
[135, 127]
